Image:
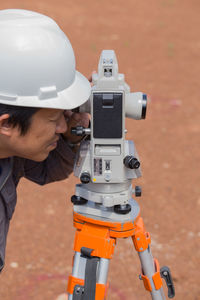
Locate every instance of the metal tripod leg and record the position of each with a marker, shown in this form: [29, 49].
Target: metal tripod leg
[150, 268]
[90, 274]
[149, 271]
[93, 248]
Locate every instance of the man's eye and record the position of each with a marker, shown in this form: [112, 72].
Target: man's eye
[54, 120]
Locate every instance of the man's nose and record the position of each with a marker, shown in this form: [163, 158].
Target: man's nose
[61, 126]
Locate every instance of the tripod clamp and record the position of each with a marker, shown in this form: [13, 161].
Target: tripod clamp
[166, 275]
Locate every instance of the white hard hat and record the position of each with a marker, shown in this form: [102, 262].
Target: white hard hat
[37, 63]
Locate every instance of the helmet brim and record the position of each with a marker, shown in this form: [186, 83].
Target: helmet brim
[73, 96]
[77, 94]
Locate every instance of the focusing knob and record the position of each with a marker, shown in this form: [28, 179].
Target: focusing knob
[85, 177]
[131, 162]
[79, 130]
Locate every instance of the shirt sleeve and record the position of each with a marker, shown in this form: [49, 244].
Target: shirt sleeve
[4, 226]
[57, 166]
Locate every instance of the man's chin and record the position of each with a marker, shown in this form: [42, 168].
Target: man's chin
[38, 157]
[41, 158]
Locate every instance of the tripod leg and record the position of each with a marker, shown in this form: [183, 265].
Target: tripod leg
[78, 275]
[93, 251]
[88, 279]
[150, 267]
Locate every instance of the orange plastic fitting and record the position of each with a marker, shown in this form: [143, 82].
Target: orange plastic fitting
[97, 238]
[101, 289]
[156, 278]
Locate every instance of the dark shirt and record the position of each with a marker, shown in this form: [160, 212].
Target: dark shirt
[57, 166]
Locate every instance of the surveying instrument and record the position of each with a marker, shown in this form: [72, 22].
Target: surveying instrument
[104, 209]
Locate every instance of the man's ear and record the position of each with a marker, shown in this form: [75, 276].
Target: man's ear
[5, 127]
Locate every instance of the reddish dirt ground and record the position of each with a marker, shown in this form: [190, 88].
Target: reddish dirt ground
[157, 44]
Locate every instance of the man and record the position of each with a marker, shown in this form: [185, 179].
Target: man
[39, 87]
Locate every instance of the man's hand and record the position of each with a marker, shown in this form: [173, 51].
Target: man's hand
[76, 119]
[73, 120]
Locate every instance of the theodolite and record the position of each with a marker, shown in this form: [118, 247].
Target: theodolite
[104, 209]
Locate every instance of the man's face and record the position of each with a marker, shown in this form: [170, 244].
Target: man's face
[41, 137]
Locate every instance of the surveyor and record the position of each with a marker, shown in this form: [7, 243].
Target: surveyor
[39, 87]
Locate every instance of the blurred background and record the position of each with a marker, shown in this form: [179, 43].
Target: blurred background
[157, 44]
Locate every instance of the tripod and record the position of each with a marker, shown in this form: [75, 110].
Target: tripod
[94, 246]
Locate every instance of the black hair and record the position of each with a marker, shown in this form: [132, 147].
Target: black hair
[19, 116]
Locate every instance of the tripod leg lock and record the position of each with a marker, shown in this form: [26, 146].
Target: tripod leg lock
[166, 274]
[156, 278]
[76, 288]
[73, 282]
[78, 292]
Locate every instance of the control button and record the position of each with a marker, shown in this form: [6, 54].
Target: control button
[107, 176]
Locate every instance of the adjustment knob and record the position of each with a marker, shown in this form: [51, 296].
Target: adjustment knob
[79, 130]
[77, 200]
[122, 209]
[85, 177]
[138, 191]
[131, 162]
